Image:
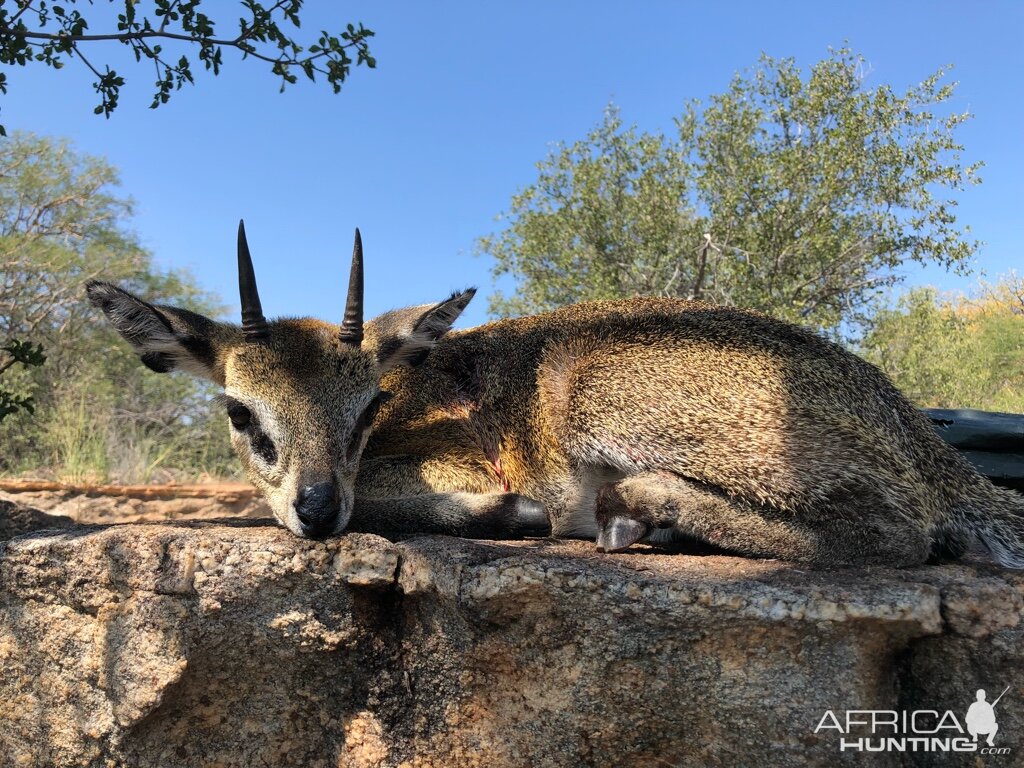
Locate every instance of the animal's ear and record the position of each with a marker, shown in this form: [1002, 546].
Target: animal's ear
[406, 336]
[165, 338]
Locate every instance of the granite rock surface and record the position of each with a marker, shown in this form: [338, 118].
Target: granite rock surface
[233, 643]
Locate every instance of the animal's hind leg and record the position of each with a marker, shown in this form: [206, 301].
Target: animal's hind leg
[855, 531]
[631, 508]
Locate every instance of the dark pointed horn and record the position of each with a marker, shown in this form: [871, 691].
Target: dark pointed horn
[254, 324]
[352, 326]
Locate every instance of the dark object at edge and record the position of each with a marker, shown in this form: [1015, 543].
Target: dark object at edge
[992, 442]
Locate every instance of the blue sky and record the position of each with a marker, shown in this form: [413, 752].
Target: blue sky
[423, 152]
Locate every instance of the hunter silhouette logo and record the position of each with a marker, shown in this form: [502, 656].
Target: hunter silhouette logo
[981, 717]
[919, 730]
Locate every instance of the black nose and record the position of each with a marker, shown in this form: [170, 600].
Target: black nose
[317, 508]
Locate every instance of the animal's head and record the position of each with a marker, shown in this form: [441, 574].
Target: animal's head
[300, 395]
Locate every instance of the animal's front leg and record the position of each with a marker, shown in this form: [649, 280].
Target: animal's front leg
[473, 515]
[410, 494]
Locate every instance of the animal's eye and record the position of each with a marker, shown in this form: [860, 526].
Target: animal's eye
[240, 416]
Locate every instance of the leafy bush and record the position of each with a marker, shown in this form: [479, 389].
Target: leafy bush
[955, 351]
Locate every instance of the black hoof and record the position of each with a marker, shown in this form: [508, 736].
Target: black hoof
[619, 533]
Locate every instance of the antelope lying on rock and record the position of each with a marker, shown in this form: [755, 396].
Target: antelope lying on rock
[608, 419]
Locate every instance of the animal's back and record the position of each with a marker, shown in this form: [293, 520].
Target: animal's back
[758, 408]
[735, 399]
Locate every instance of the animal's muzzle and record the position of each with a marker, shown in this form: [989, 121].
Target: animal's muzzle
[318, 508]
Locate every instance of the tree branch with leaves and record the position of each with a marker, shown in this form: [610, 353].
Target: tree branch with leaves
[28, 355]
[51, 33]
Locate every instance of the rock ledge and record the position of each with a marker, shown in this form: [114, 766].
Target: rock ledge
[236, 644]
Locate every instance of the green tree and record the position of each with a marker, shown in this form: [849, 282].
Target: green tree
[51, 33]
[607, 218]
[954, 352]
[799, 194]
[98, 414]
